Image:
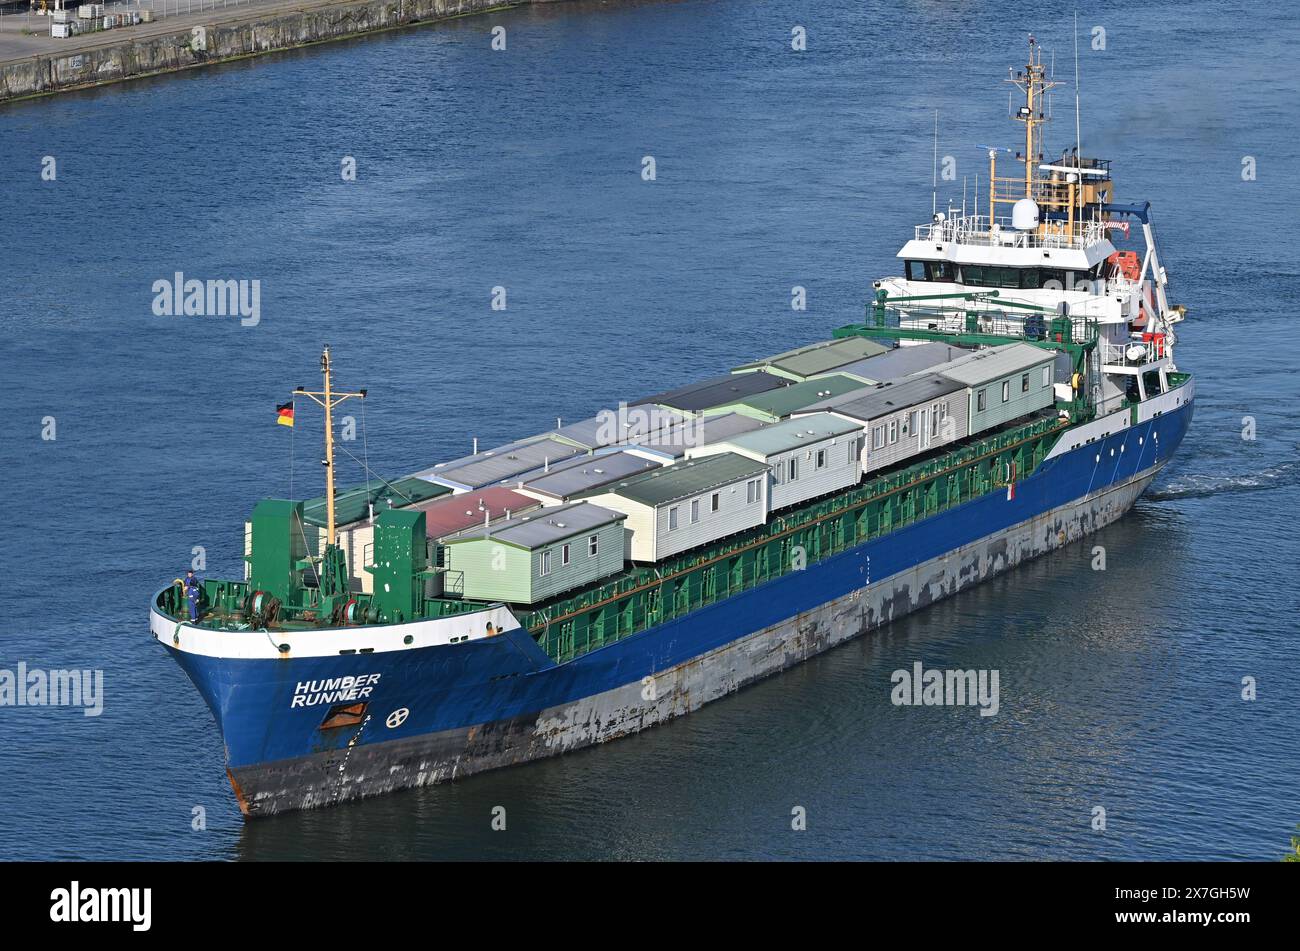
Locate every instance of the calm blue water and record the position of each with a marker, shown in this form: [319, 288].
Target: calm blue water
[1120, 688]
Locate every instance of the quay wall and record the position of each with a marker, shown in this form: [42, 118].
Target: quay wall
[100, 60]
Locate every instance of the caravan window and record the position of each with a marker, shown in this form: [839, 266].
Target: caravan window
[1006, 390]
[1024, 383]
[672, 518]
[544, 566]
[981, 401]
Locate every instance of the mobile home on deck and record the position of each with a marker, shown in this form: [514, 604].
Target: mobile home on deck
[689, 503]
[529, 558]
[903, 418]
[1003, 383]
[809, 456]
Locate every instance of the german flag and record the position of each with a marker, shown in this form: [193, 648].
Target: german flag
[285, 413]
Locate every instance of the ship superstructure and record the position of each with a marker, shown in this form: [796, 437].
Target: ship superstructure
[1013, 390]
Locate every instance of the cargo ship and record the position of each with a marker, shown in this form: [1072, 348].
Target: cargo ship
[1012, 390]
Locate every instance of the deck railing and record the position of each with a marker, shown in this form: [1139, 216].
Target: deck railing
[976, 230]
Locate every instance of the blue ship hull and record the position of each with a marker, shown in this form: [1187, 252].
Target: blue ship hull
[501, 700]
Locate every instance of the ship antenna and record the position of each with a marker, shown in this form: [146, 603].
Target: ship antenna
[1078, 136]
[934, 182]
[327, 399]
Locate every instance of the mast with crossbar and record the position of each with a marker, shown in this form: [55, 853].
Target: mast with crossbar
[327, 399]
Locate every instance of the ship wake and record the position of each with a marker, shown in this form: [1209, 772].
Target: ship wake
[1203, 486]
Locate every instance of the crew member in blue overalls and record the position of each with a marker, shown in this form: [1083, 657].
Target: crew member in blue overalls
[192, 592]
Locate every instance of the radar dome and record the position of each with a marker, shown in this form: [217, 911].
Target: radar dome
[1024, 215]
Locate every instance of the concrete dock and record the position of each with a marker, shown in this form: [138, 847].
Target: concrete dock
[37, 64]
[26, 34]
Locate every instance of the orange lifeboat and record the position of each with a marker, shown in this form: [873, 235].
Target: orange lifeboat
[1126, 263]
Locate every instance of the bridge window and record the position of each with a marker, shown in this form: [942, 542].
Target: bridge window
[931, 271]
[980, 275]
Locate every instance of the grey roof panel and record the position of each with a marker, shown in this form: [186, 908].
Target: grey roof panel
[503, 462]
[902, 361]
[590, 472]
[717, 391]
[819, 357]
[886, 398]
[799, 396]
[612, 427]
[684, 479]
[995, 362]
[591, 433]
[792, 434]
[699, 432]
[542, 526]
